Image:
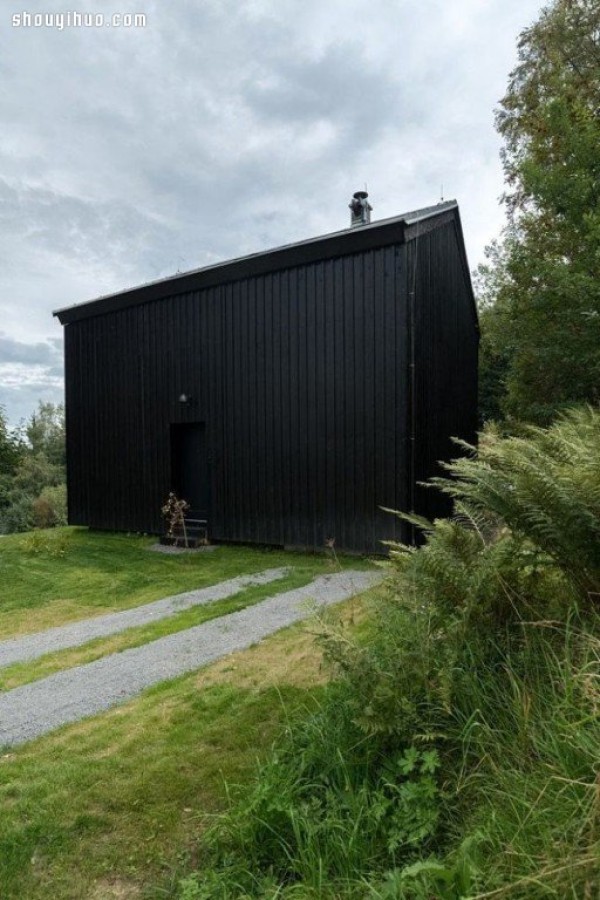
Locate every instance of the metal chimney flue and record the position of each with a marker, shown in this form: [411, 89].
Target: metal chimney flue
[360, 209]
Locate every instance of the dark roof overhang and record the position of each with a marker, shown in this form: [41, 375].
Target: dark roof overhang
[341, 243]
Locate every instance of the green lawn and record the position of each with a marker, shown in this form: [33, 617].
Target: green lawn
[102, 572]
[114, 807]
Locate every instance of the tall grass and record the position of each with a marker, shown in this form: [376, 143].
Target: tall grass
[456, 751]
[530, 742]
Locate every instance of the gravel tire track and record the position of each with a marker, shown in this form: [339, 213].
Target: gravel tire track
[34, 709]
[74, 634]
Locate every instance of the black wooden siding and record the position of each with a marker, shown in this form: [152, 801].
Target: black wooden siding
[444, 391]
[303, 379]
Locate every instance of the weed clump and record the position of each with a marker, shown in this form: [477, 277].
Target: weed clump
[42, 542]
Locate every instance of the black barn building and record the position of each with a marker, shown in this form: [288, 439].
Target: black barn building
[287, 395]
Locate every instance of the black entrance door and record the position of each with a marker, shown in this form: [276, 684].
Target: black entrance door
[190, 470]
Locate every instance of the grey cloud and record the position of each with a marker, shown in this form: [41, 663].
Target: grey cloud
[341, 86]
[224, 128]
[29, 372]
[43, 353]
[80, 233]
[20, 402]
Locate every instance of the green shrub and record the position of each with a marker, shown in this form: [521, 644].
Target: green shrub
[36, 497]
[456, 752]
[545, 487]
[17, 514]
[35, 472]
[50, 508]
[325, 807]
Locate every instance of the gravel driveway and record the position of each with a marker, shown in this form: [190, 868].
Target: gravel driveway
[35, 709]
[75, 634]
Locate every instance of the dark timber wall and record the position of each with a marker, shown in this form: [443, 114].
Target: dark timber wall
[444, 389]
[314, 415]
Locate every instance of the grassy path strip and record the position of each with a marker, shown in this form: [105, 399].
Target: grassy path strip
[35, 709]
[18, 674]
[32, 646]
[79, 574]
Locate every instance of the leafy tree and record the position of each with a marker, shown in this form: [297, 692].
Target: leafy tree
[546, 278]
[17, 514]
[11, 452]
[10, 447]
[46, 432]
[35, 472]
[495, 347]
[32, 471]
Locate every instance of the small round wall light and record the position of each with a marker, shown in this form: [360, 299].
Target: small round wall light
[185, 399]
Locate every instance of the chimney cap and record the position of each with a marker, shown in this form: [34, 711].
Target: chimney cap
[360, 209]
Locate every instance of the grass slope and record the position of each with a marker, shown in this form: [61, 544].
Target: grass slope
[22, 673]
[113, 806]
[101, 573]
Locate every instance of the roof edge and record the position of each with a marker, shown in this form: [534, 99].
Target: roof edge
[340, 243]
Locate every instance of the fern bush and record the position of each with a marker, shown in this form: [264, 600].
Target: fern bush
[545, 487]
[523, 546]
[455, 753]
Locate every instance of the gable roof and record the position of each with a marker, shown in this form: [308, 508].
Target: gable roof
[383, 232]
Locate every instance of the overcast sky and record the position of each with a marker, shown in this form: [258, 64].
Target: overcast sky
[222, 128]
